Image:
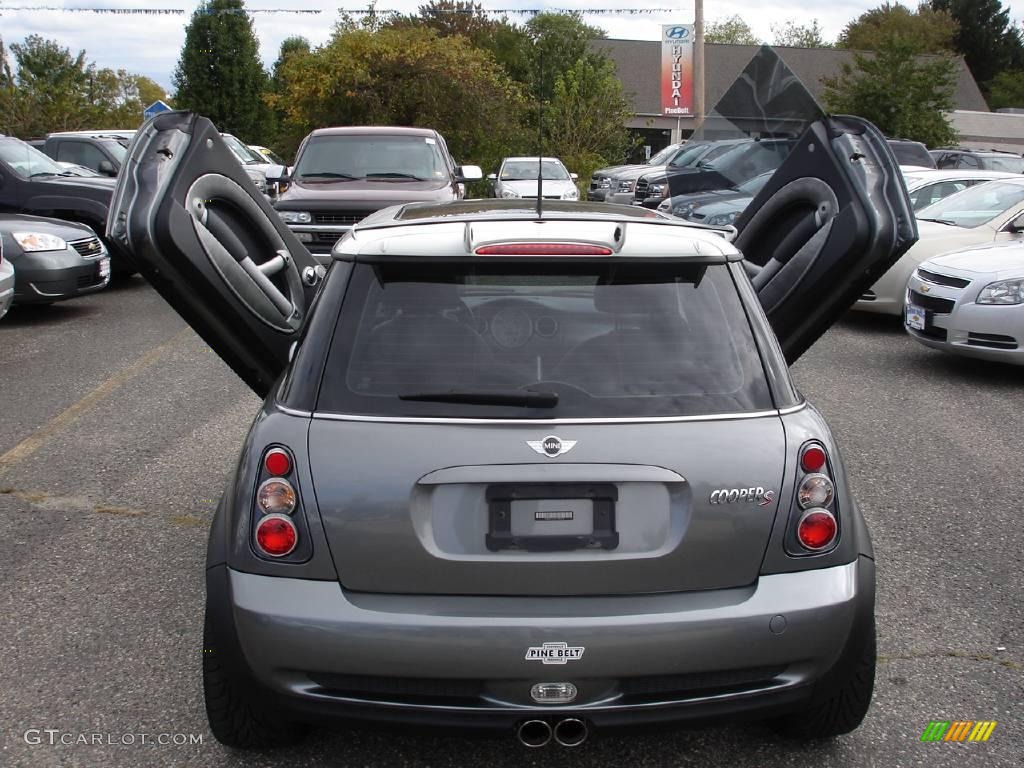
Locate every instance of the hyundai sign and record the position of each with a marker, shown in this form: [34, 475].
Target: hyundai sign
[676, 70]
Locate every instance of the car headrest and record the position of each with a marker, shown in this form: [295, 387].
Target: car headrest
[421, 298]
[637, 298]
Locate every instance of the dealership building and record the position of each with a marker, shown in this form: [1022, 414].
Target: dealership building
[639, 64]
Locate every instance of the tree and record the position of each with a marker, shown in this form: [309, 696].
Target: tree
[795, 35]
[559, 41]
[985, 37]
[220, 74]
[52, 87]
[931, 31]
[405, 76]
[732, 31]
[905, 95]
[587, 115]
[1007, 90]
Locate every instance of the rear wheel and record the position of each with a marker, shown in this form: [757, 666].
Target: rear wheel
[840, 701]
[238, 715]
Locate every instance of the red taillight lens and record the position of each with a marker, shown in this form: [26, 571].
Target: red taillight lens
[817, 529]
[543, 249]
[813, 458]
[277, 462]
[276, 535]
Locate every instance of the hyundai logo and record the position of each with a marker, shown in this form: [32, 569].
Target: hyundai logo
[677, 33]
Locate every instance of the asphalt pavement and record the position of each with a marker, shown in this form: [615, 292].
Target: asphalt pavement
[118, 427]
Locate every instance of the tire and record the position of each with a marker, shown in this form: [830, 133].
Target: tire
[236, 711]
[839, 702]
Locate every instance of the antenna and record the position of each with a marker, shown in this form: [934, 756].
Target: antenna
[540, 135]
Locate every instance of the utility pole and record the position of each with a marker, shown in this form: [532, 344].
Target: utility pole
[698, 63]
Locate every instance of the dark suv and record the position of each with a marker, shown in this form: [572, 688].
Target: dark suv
[342, 175]
[101, 151]
[743, 160]
[31, 182]
[978, 160]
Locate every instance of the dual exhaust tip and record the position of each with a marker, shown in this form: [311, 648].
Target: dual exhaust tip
[569, 732]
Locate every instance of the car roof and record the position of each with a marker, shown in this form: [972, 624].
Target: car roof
[457, 229]
[112, 134]
[534, 159]
[373, 130]
[929, 175]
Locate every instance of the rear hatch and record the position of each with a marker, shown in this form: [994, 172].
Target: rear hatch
[515, 429]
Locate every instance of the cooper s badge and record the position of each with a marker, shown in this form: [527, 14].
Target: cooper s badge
[554, 653]
[551, 446]
[762, 496]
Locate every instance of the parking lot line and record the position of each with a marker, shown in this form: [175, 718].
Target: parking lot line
[37, 439]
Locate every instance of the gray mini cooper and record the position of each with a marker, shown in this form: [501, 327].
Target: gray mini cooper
[534, 471]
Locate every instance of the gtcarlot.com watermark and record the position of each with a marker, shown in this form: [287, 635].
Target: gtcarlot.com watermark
[55, 737]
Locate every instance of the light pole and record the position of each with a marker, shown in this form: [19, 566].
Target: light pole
[698, 63]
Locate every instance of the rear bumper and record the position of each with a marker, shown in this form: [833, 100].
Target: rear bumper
[460, 661]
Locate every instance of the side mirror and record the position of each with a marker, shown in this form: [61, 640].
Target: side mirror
[492, 176]
[1016, 226]
[468, 173]
[107, 168]
[574, 176]
[278, 173]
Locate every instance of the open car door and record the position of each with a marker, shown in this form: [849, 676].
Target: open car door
[831, 219]
[210, 243]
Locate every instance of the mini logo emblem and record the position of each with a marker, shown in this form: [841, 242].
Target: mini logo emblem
[554, 653]
[762, 496]
[551, 446]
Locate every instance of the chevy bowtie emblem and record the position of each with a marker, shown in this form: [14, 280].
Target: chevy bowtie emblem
[926, 289]
[551, 446]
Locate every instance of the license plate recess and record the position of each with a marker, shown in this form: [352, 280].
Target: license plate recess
[503, 498]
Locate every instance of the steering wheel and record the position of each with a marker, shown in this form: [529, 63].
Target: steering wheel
[219, 207]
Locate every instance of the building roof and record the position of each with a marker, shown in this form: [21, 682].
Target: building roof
[639, 68]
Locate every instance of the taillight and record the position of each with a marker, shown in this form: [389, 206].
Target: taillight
[814, 508]
[276, 517]
[276, 535]
[277, 462]
[276, 497]
[543, 249]
[816, 529]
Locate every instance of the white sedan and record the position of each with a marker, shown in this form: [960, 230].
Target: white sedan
[517, 177]
[970, 303]
[927, 186]
[987, 213]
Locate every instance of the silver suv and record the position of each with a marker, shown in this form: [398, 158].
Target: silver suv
[540, 472]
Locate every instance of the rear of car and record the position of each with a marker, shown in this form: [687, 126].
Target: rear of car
[913, 153]
[552, 486]
[970, 303]
[978, 159]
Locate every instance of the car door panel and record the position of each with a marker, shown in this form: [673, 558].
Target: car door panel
[212, 246]
[833, 218]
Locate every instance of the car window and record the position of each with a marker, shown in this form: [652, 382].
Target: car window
[610, 340]
[370, 155]
[1008, 163]
[80, 153]
[911, 153]
[26, 161]
[948, 160]
[689, 156]
[932, 193]
[523, 170]
[664, 156]
[118, 148]
[969, 162]
[976, 205]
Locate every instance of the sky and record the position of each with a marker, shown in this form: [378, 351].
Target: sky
[149, 44]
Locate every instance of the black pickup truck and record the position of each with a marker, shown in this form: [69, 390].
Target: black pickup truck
[31, 182]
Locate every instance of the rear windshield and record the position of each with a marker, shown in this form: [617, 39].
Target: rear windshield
[585, 340]
[910, 153]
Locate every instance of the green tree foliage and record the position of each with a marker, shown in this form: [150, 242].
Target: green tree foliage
[904, 94]
[1007, 89]
[586, 117]
[559, 41]
[403, 76]
[47, 88]
[987, 40]
[220, 74]
[929, 30]
[732, 30]
[794, 35]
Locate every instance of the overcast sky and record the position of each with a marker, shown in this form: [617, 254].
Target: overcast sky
[150, 44]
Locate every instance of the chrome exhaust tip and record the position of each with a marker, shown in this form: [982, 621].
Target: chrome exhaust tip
[534, 733]
[571, 732]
